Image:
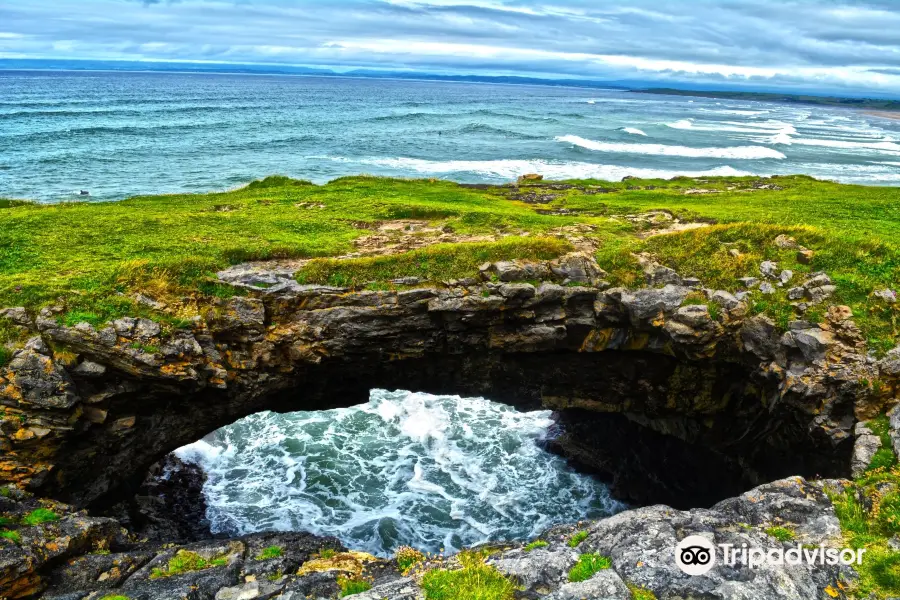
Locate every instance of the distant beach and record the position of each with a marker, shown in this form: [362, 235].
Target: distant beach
[884, 114]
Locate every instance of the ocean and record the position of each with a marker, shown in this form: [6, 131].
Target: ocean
[118, 134]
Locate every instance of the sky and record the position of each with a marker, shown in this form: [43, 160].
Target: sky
[849, 46]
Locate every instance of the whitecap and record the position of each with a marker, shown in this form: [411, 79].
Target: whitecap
[633, 131]
[510, 169]
[735, 152]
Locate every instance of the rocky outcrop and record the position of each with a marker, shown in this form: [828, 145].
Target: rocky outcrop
[678, 387]
[94, 558]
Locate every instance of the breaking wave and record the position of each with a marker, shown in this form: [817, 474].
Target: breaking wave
[736, 152]
[506, 170]
[404, 469]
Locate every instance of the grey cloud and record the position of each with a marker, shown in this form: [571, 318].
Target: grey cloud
[765, 34]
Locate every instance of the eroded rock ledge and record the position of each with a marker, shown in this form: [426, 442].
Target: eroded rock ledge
[676, 402]
[87, 558]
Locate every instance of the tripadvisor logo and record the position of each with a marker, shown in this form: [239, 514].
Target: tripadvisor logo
[696, 555]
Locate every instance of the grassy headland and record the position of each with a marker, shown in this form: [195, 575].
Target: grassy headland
[91, 258]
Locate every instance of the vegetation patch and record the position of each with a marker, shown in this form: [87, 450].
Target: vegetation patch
[270, 552]
[353, 585]
[186, 561]
[407, 558]
[782, 534]
[640, 593]
[474, 581]
[11, 535]
[39, 516]
[588, 565]
[576, 539]
[536, 544]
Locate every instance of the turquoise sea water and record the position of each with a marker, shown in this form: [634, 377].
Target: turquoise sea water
[117, 134]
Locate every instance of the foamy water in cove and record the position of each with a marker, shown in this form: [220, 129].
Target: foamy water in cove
[404, 469]
[117, 134]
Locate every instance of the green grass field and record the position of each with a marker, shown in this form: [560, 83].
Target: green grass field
[90, 257]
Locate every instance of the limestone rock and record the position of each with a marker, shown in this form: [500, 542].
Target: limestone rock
[888, 295]
[769, 269]
[786, 242]
[865, 447]
[605, 585]
[766, 288]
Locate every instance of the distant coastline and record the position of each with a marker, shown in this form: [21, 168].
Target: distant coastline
[873, 106]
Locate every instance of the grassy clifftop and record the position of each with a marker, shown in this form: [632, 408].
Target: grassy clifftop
[92, 258]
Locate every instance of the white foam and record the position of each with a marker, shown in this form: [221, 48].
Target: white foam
[883, 146]
[734, 126]
[510, 169]
[736, 152]
[633, 131]
[406, 468]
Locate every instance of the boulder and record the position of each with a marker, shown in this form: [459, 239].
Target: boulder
[864, 449]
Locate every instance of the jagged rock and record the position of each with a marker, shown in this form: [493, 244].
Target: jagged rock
[813, 343]
[90, 369]
[796, 293]
[894, 428]
[769, 269]
[749, 282]
[605, 585]
[786, 242]
[815, 280]
[149, 302]
[887, 295]
[518, 270]
[577, 267]
[804, 257]
[766, 288]
[37, 380]
[17, 315]
[406, 281]
[725, 300]
[660, 275]
[691, 282]
[820, 294]
[786, 276]
[865, 447]
[760, 337]
[644, 305]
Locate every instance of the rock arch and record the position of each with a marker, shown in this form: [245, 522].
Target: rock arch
[650, 389]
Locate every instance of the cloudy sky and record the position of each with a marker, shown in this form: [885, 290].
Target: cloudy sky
[841, 45]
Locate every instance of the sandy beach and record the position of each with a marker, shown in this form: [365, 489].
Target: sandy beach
[885, 114]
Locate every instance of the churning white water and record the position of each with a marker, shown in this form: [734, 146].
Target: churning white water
[404, 469]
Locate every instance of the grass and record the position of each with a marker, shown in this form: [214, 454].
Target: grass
[11, 535]
[92, 257]
[326, 553]
[782, 534]
[39, 516]
[588, 565]
[353, 585]
[536, 544]
[869, 512]
[270, 552]
[115, 597]
[186, 561]
[434, 263]
[576, 539]
[475, 580]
